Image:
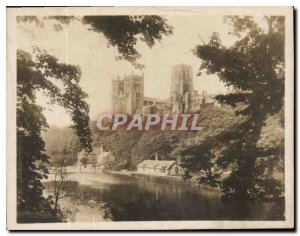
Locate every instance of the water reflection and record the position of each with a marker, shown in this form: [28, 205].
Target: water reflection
[138, 199]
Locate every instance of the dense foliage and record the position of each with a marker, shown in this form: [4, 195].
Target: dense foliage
[61, 144]
[122, 32]
[135, 146]
[254, 67]
[41, 73]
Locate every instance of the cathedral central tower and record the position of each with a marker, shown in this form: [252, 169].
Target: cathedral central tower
[182, 88]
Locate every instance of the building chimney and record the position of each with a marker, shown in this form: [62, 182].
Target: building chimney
[156, 157]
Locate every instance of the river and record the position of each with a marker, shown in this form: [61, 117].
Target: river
[105, 197]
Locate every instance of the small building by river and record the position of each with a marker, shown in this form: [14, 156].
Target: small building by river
[95, 160]
[159, 167]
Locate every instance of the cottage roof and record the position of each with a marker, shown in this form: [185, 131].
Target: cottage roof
[156, 164]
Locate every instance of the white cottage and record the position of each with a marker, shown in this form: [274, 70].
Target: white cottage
[159, 167]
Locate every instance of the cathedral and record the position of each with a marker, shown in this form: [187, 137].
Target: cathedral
[128, 95]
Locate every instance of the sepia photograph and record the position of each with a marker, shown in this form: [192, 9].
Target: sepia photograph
[150, 118]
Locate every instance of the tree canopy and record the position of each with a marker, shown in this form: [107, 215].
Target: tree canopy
[254, 67]
[122, 32]
[41, 72]
[61, 143]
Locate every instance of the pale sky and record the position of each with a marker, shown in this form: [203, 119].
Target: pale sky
[76, 45]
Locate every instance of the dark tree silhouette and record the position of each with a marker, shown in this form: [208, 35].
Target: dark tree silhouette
[254, 68]
[122, 32]
[43, 72]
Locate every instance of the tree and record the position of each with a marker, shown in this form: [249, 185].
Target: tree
[42, 74]
[122, 32]
[254, 67]
[64, 196]
[84, 161]
[61, 144]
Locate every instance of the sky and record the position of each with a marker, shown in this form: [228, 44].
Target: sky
[79, 46]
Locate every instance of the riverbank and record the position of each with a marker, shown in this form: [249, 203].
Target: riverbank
[125, 175]
[178, 180]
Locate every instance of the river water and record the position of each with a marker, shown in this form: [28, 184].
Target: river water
[105, 197]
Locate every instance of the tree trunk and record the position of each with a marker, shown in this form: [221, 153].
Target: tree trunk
[247, 167]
